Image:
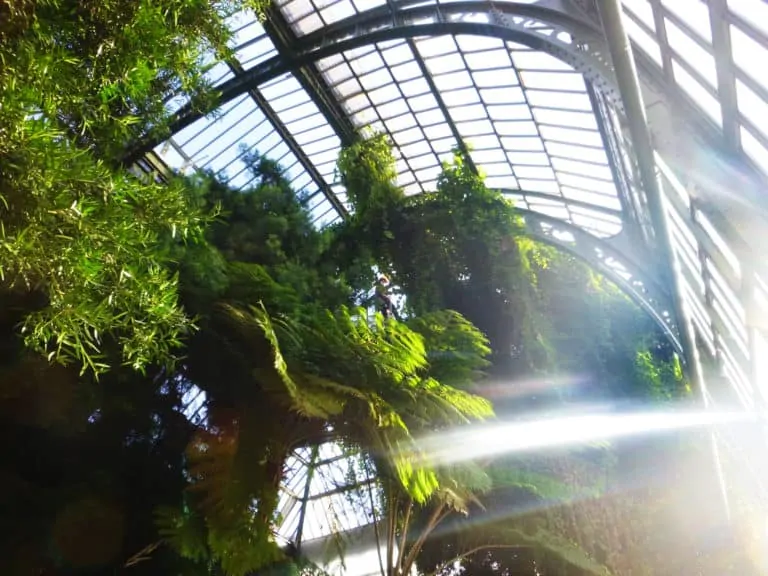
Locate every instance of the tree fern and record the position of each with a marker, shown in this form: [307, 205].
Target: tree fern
[365, 377]
[184, 531]
[457, 349]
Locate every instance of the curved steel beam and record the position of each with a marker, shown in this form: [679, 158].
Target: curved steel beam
[565, 201]
[536, 26]
[640, 286]
[545, 23]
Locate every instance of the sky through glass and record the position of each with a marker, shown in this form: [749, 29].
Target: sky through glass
[712, 60]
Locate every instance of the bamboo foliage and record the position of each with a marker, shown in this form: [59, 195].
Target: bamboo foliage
[79, 80]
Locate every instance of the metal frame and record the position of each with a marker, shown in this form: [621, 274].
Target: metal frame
[626, 72]
[335, 495]
[587, 52]
[441, 105]
[726, 79]
[303, 512]
[613, 263]
[290, 141]
[725, 141]
[588, 48]
[632, 203]
[587, 56]
[529, 31]
[285, 39]
[398, 20]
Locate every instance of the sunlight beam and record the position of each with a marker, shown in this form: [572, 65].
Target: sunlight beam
[482, 441]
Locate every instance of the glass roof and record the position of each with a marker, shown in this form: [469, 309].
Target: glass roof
[714, 53]
[306, 16]
[327, 487]
[260, 121]
[526, 117]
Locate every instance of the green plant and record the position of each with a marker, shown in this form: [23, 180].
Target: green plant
[79, 82]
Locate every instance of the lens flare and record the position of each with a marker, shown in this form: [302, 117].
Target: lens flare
[487, 440]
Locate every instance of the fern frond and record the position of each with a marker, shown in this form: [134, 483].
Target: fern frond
[456, 349]
[183, 531]
[211, 457]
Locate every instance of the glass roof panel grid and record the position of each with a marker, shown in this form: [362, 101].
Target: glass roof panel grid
[685, 45]
[249, 39]
[385, 90]
[685, 243]
[642, 11]
[753, 11]
[699, 316]
[688, 38]
[571, 151]
[332, 487]
[508, 103]
[694, 13]
[302, 119]
[754, 148]
[646, 40]
[305, 16]
[219, 142]
[216, 73]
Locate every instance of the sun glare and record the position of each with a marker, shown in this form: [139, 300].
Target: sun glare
[482, 441]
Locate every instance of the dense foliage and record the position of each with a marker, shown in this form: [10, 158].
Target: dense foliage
[558, 331]
[462, 247]
[78, 82]
[121, 298]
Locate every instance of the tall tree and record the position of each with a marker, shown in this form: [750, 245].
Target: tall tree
[557, 329]
[464, 247]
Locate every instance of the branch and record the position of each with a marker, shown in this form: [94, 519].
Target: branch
[142, 555]
[445, 513]
[391, 532]
[437, 516]
[376, 526]
[471, 551]
[404, 535]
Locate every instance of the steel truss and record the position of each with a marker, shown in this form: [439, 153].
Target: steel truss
[609, 257]
[537, 26]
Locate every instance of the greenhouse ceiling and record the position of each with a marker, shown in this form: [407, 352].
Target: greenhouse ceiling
[526, 90]
[526, 116]
[434, 74]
